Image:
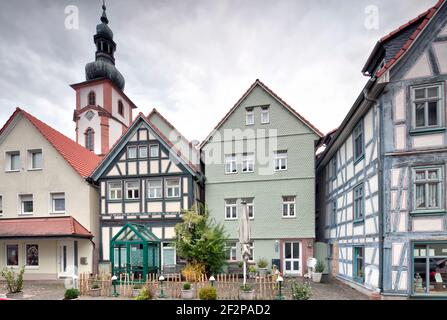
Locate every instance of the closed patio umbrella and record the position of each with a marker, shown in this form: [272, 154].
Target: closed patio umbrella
[244, 237]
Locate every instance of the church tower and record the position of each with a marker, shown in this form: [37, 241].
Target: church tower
[103, 112]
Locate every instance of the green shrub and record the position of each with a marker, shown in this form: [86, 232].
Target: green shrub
[186, 286]
[71, 294]
[208, 293]
[145, 294]
[14, 281]
[252, 269]
[246, 288]
[319, 268]
[241, 264]
[263, 263]
[301, 291]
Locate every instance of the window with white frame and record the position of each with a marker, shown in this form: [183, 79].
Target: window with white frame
[249, 117]
[58, 202]
[132, 190]
[288, 206]
[248, 162]
[154, 188]
[154, 150]
[1, 205]
[35, 159]
[427, 188]
[231, 251]
[428, 106]
[230, 209]
[265, 115]
[12, 255]
[280, 158]
[142, 151]
[13, 161]
[32, 255]
[359, 202]
[115, 190]
[132, 152]
[172, 186]
[26, 204]
[250, 207]
[230, 164]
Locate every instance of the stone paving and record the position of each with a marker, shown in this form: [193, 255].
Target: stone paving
[328, 290]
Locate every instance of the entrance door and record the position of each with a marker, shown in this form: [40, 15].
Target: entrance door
[292, 261]
[66, 259]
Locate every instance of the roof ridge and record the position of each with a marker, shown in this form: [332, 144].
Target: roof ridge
[154, 110]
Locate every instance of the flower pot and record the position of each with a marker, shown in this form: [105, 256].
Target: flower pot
[95, 292]
[188, 294]
[15, 295]
[316, 277]
[262, 271]
[135, 292]
[247, 295]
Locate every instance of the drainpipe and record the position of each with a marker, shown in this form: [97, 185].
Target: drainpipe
[380, 175]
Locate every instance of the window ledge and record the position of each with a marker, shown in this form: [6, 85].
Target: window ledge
[26, 214]
[292, 217]
[359, 159]
[359, 221]
[11, 171]
[230, 219]
[57, 212]
[428, 213]
[416, 132]
[35, 169]
[228, 173]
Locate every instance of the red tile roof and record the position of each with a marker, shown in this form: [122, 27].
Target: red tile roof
[43, 227]
[271, 92]
[422, 20]
[79, 158]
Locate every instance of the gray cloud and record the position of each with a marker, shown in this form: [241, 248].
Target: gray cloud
[194, 59]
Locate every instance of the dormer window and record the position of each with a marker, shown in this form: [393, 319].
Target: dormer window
[121, 108]
[90, 139]
[92, 98]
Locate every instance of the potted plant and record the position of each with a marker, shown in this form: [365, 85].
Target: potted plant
[187, 291]
[252, 271]
[145, 294]
[14, 282]
[95, 290]
[136, 290]
[246, 292]
[71, 294]
[208, 293]
[319, 268]
[262, 266]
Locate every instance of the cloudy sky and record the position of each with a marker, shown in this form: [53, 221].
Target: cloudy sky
[193, 59]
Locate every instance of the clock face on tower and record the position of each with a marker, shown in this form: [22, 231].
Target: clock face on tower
[89, 115]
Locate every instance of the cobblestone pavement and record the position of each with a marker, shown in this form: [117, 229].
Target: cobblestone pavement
[328, 290]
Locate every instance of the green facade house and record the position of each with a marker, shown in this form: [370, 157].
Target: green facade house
[262, 152]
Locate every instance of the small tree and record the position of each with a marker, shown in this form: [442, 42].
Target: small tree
[200, 240]
[14, 281]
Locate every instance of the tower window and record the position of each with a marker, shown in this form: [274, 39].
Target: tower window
[120, 108]
[90, 139]
[91, 98]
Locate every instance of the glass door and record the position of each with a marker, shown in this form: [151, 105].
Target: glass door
[292, 261]
[66, 259]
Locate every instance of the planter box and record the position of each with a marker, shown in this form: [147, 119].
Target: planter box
[262, 271]
[316, 277]
[247, 295]
[95, 292]
[188, 294]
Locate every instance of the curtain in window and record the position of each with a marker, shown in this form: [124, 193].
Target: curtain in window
[420, 196]
[433, 195]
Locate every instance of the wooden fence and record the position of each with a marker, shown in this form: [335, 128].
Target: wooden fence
[227, 285]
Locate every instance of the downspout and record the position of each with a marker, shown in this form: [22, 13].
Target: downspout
[380, 175]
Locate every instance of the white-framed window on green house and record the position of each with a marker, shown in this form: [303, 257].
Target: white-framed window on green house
[32, 255]
[154, 150]
[249, 117]
[250, 207]
[26, 204]
[248, 162]
[280, 160]
[115, 190]
[172, 186]
[154, 188]
[288, 206]
[359, 141]
[231, 251]
[265, 115]
[427, 189]
[13, 161]
[428, 106]
[132, 190]
[230, 209]
[333, 213]
[230, 164]
[57, 202]
[35, 159]
[359, 202]
[12, 255]
[132, 152]
[359, 264]
[142, 152]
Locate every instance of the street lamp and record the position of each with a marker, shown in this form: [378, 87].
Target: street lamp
[114, 294]
[280, 296]
[212, 279]
[162, 294]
